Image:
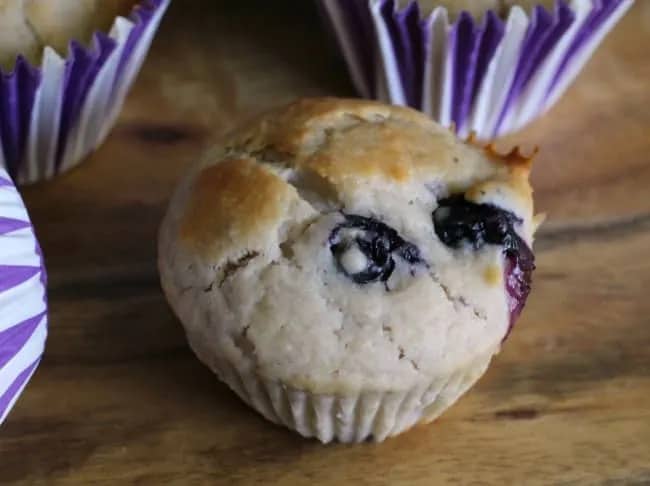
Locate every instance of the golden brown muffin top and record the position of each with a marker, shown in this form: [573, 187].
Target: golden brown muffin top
[338, 151]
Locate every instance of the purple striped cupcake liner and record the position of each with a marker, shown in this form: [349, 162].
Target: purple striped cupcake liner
[490, 77]
[23, 300]
[54, 115]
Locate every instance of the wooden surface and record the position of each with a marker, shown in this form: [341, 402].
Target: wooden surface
[119, 398]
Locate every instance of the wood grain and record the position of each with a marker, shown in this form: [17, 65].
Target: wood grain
[119, 398]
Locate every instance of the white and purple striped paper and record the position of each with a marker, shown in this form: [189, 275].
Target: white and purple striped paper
[490, 77]
[53, 116]
[23, 307]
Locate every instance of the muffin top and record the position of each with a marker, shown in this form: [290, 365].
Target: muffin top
[27, 26]
[338, 245]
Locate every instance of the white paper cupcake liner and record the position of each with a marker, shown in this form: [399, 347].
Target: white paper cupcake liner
[490, 77]
[23, 308]
[53, 116]
[369, 415]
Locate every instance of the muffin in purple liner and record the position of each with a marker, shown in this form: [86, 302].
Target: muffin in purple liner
[490, 70]
[23, 306]
[55, 110]
[367, 281]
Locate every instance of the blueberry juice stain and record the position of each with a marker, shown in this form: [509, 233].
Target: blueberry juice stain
[459, 222]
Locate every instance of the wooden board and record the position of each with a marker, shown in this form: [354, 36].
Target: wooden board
[119, 398]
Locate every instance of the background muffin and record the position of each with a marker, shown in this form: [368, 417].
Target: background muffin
[530, 4]
[27, 26]
[63, 91]
[455, 7]
[16, 36]
[490, 72]
[478, 8]
[346, 267]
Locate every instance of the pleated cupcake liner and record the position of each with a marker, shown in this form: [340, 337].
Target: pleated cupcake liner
[53, 116]
[23, 301]
[368, 415]
[489, 76]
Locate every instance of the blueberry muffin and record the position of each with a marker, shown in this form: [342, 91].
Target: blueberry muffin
[27, 26]
[347, 267]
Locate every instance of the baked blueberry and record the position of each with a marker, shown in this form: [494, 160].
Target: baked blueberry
[460, 222]
[364, 249]
[518, 277]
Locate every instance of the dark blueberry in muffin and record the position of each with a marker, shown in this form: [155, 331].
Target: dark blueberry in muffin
[365, 249]
[459, 222]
